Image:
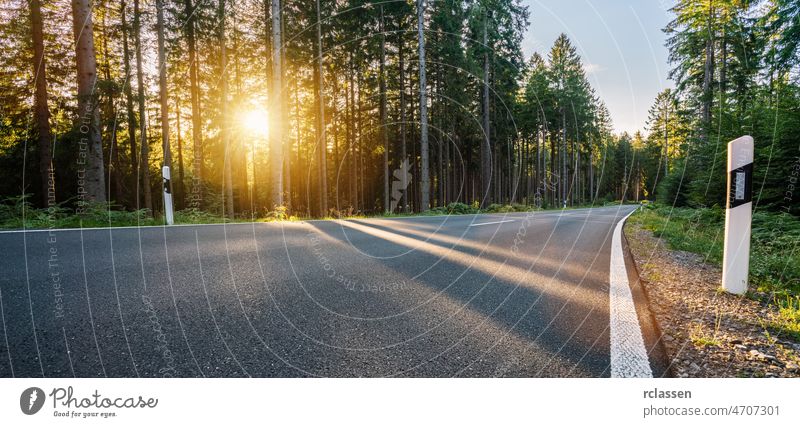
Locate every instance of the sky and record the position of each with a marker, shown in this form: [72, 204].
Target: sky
[621, 45]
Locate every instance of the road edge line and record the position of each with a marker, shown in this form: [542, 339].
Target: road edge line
[629, 357]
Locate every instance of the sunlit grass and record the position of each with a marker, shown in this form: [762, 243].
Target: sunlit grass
[787, 321]
[701, 337]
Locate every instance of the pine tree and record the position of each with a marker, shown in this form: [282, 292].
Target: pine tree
[91, 149]
[41, 109]
[322, 140]
[144, 162]
[423, 111]
[276, 118]
[162, 85]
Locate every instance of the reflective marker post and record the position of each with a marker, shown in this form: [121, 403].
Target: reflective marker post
[739, 215]
[167, 196]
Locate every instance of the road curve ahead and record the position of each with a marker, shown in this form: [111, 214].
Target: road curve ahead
[505, 295]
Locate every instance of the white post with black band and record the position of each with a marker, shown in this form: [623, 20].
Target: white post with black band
[739, 215]
[168, 213]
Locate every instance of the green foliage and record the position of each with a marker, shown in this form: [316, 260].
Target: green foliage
[516, 207]
[783, 19]
[787, 321]
[280, 213]
[461, 209]
[669, 191]
[438, 210]
[106, 215]
[18, 212]
[13, 210]
[720, 53]
[494, 208]
[196, 216]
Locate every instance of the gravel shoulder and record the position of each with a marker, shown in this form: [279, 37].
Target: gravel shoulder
[705, 332]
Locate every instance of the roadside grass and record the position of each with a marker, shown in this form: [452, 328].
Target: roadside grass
[787, 322]
[17, 213]
[774, 259]
[702, 338]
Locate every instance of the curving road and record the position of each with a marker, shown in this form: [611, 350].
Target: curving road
[506, 295]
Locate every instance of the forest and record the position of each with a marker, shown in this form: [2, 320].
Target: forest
[344, 107]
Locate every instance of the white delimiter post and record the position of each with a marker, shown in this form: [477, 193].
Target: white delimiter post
[736, 259]
[168, 213]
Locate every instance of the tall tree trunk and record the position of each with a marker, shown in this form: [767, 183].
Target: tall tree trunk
[359, 141]
[486, 149]
[541, 172]
[110, 112]
[440, 179]
[591, 177]
[162, 88]
[275, 130]
[403, 154]
[563, 181]
[666, 136]
[336, 130]
[241, 186]
[41, 110]
[127, 88]
[287, 144]
[91, 158]
[384, 122]
[723, 73]
[449, 171]
[353, 134]
[322, 141]
[197, 119]
[425, 178]
[708, 75]
[555, 167]
[145, 161]
[268, 73]
[181, 172]
[575, 184]
[254, 200]
[298, 139]
[494, 180]
[347, 158]
[413, 189]
[223, 105]
[510, 174]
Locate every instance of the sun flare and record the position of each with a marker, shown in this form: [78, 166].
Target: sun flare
[256, 122]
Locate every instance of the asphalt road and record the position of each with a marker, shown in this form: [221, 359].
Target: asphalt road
[507, 295]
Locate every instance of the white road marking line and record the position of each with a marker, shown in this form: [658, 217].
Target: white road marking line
[628, 355]
[493, 222]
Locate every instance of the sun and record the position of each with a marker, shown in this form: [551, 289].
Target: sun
[256, 122]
